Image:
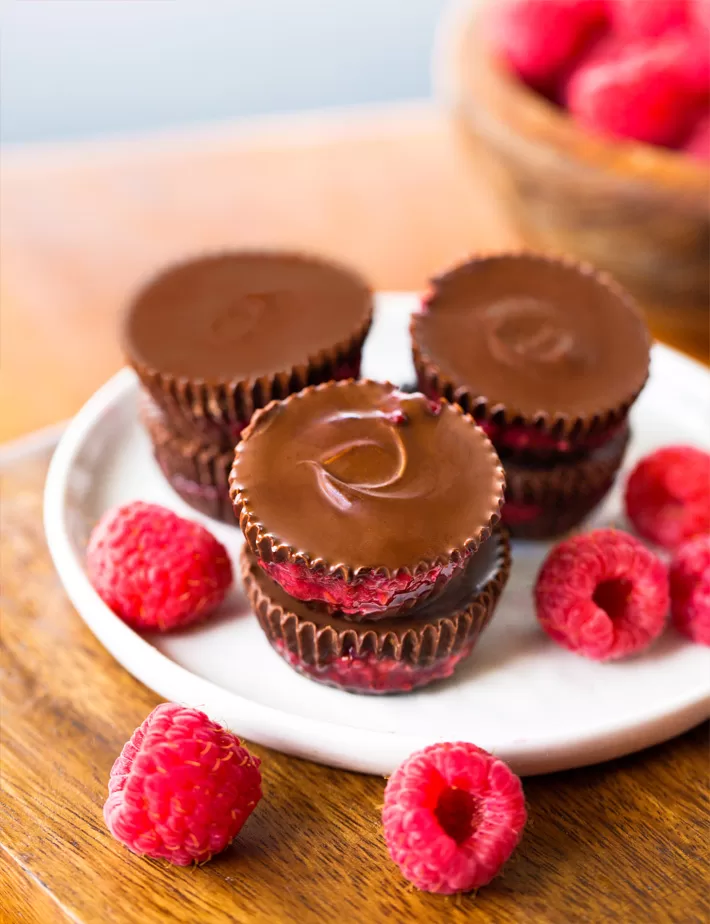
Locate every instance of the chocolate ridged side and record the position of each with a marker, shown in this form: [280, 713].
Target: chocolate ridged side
[198, 472]
[424, 636]
[565, 494]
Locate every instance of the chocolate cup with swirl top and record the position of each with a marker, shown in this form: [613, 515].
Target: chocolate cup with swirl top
[393, 655]
[198, 472]
[215, 338]
[547, 501]
[547, 355]
[363, 497]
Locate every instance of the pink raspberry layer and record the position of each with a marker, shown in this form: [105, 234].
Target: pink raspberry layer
[520, 438]
[368, 595]
[372, 674]
[523, 438]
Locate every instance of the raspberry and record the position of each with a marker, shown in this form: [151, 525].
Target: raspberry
[603, 595]
[646, 91]
[698, 144]
[540, 39]
[154, 569]
[649, 18]
[452, 815]
[690, 589]
[668, 495]
[181, 788]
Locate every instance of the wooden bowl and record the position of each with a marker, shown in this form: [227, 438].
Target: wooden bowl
[641, 212]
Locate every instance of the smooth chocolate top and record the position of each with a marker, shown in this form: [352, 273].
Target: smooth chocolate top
[535, 336]
[361, 475]
[241, 315]
[459, 593]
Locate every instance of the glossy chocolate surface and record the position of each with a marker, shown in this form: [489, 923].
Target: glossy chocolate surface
[361, 475]
[534, 336]
[239, 316]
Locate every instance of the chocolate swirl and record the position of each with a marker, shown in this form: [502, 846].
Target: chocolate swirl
[360, 476]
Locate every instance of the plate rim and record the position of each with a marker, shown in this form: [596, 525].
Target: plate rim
[335, 744]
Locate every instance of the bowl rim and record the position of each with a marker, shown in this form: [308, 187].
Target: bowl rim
[464, 68]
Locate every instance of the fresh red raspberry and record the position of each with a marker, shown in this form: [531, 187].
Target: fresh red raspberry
[668, 495]
[603, 595]
[181, 788]
[154, 569]
[646, 91]
[698, 144]
[690, 589]
[540, 39]
[452, 815]
[649, 18]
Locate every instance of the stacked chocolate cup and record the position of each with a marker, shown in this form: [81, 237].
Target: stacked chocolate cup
[548, 356]
[216, 338]
[372, 559]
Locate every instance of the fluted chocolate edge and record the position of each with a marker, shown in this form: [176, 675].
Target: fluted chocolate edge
[417, 642]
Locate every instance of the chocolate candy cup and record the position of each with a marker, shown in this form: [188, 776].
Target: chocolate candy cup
[391, 656]
[363, 497]
[546, 354]
[199, 473]
[546, 502]
[216, 338]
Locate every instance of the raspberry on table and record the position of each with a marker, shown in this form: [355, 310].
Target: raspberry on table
[603, 595]
[452, 816]
[690, 589]
[647, 91]
[154, 569]
[181, 788]
[668, 495]
[540, 39]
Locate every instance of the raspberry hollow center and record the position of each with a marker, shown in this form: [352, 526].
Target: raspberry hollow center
[613, 597]
[457, 812]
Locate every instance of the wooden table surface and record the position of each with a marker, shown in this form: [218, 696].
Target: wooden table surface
[394, 193]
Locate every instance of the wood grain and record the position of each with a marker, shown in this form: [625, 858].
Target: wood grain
[395, 192]
[625, 841]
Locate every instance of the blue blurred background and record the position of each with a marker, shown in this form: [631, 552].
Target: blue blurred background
[83, 68]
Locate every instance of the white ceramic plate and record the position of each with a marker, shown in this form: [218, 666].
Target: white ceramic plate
[539, 707]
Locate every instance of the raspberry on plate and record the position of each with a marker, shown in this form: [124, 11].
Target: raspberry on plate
[452, 816]
[154, 569]
[181, 788]
[602, 594]
[668, 495]
[690, 589]
[540, 39]
[645, 92]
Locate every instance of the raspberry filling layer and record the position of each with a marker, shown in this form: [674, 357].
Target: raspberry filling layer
[370, 674]
[520, 438]
[364, 595]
